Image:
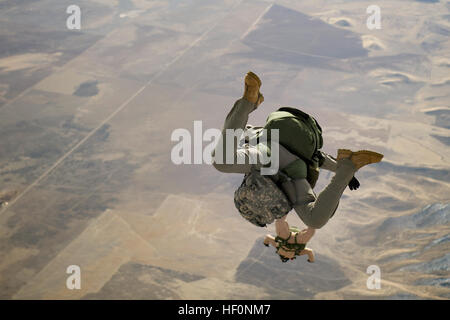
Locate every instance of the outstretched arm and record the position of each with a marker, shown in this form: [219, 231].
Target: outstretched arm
[282, 227]
[269, 239]
[310, 254]
[305, 235]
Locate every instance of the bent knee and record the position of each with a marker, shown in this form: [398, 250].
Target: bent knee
[309, 219]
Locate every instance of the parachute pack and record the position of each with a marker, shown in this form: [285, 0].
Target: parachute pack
[259, 199]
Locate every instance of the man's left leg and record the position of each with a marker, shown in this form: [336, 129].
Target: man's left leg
[227, 156]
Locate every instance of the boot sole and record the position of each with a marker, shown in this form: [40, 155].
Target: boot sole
[375, 156]
[255, 77]
[366, 157]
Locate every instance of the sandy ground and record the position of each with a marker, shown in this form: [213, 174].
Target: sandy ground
[85, 164]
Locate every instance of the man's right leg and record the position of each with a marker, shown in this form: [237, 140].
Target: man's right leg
[315, 212]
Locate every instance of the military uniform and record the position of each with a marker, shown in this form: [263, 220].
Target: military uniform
[314, 211]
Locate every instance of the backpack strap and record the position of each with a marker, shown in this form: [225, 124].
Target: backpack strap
[281, 240]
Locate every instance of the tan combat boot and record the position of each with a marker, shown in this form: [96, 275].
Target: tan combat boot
[360, 158]
[252, 85]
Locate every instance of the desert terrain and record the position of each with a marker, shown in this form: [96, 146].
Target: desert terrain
[86, 118]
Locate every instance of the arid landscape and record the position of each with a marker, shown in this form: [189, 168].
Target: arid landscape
[86, 118]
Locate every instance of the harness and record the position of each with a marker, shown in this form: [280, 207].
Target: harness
[291, 247]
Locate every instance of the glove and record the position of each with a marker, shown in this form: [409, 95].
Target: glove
[353, 184]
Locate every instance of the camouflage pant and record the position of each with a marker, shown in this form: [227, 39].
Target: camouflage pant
[314, 211]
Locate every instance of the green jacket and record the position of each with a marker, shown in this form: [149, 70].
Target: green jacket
[301, 135]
